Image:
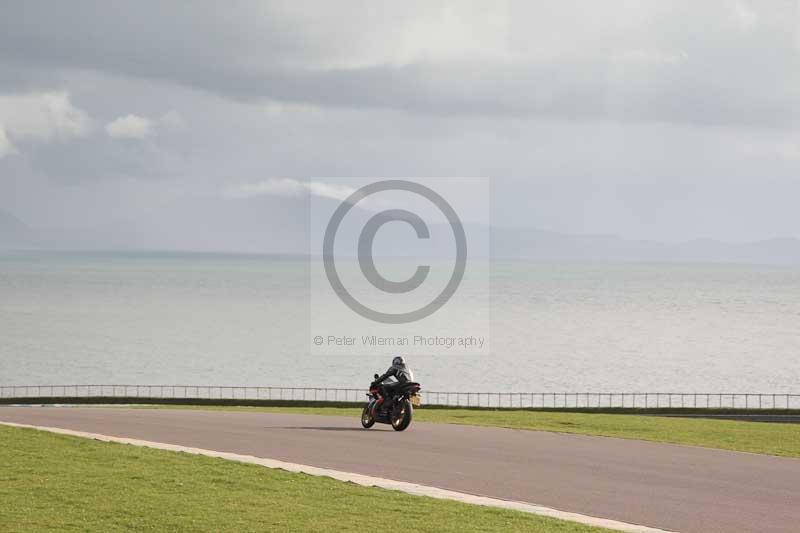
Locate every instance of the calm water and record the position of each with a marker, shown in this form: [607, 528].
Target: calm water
[225, 320]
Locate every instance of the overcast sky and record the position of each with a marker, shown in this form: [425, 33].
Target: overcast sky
[645, 119]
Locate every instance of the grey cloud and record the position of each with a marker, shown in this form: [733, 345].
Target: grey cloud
[703, 69]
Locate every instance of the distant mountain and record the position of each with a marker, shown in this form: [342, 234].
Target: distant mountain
[288, 225]
[537, 245]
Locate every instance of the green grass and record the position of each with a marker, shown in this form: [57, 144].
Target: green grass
[52, 482]
[755, 437]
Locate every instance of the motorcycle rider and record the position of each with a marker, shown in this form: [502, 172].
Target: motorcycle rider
[401, 374]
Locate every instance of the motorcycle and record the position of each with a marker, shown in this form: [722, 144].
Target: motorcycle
[395, 409]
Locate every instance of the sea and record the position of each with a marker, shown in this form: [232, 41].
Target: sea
[243, 320]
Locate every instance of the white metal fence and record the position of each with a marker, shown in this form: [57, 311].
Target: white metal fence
[561, 400]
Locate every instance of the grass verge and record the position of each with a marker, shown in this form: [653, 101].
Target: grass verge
[52, 482]
[755, 437]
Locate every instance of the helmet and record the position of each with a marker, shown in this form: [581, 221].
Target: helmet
[398, 361]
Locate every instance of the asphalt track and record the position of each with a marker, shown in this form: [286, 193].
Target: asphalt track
[679, 488]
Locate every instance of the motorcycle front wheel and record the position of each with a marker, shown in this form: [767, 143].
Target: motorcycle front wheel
[401, 415]
[367, 420]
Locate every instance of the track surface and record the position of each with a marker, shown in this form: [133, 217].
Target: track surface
[672, 487]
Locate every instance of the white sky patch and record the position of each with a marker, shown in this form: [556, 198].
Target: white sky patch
[326, 190]
[41, 117]
[270, 187]
[649, 56]
[290, 187]
[130, 127]
[746, 17]
[273, 109]
[6, 147]
[453, 31]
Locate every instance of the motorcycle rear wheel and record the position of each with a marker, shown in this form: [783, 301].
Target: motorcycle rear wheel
[367, 420]
[401, 415]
